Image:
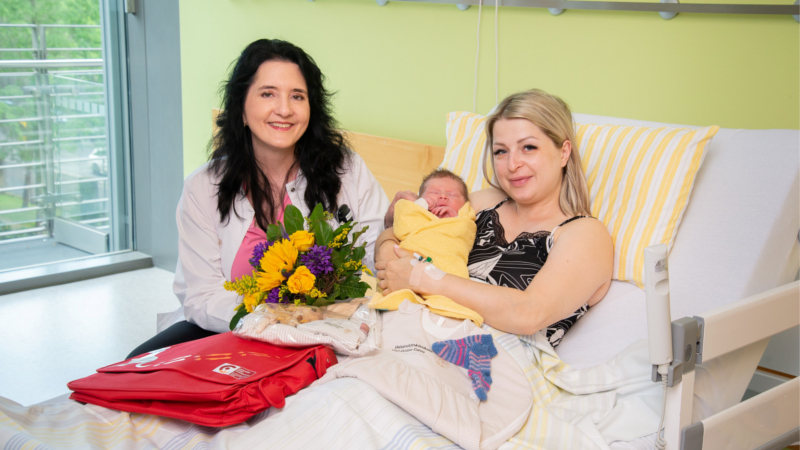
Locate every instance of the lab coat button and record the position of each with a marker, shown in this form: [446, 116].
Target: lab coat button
[220, 242]
[292, 189]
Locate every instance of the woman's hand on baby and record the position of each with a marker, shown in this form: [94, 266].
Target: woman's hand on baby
[388, 219]
[395, 274]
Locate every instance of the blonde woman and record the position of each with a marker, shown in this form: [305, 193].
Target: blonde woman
[540, 259]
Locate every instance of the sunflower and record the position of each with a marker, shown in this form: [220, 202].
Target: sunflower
[281, 256]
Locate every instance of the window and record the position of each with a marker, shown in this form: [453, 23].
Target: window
[64, 160]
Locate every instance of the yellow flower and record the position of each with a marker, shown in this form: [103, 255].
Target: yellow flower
[268, 281]
[301, 281]
[250, 302]
[302, 239]
[242, 286]
[340, 239]
[315, 293]
[281, 256]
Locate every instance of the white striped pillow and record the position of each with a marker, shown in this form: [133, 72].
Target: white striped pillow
[639, 179]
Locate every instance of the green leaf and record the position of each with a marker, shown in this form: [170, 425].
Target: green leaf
[323, 233]
[274, 233]
[337, 258]
[358, 233]
[345, 250]
[292, 219]
[334, 293]
[341, 227]
[322, 301]
[353, 288]
[241, 312]
[316, 214]
[358, 253]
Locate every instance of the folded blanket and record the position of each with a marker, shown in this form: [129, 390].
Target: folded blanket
[440, 393]
[446, 241]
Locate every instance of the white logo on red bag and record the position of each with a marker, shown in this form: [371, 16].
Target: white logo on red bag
[141, 361]
[234, 371]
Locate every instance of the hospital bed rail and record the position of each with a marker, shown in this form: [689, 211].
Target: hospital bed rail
[767, 421]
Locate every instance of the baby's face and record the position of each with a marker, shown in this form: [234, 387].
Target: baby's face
[444, 197]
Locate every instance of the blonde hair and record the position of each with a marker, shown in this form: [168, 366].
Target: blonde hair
[553, 117]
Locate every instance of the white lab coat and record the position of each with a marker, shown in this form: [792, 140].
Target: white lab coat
[207, 247]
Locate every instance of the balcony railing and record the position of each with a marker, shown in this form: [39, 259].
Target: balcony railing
[53, 143]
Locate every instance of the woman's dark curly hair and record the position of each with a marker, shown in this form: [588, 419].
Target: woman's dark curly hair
[320, 152]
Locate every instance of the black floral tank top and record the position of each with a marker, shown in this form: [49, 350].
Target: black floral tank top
[514, 264]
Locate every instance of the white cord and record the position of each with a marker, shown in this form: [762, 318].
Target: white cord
[477, 53]
[496, 54]
[661, 443]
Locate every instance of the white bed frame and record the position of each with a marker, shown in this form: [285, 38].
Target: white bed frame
[767, 421]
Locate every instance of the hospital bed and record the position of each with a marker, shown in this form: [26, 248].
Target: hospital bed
[732, 268]
[732, 271]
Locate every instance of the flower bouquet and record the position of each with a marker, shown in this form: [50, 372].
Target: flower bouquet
[312, 267]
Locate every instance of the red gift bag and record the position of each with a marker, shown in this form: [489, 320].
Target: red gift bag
[216, 381]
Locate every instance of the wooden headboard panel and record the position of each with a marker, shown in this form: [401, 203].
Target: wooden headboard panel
[398, 165]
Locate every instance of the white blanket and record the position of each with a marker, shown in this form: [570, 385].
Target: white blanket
[586, 408]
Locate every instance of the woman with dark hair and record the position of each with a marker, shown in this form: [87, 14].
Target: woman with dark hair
[276, 144]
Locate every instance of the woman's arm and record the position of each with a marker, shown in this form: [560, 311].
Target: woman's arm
[578, 269]
[198, 277]
[384, 253]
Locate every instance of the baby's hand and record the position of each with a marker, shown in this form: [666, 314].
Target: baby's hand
[444, 212]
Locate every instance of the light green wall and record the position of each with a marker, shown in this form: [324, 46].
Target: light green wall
[400, 68]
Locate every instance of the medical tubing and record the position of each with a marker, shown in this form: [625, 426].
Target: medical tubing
[496, 54]
[477, 53]
[661, 443]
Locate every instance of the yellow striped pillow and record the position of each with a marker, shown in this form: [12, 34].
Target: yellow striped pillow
[639, 179]
[464, 152]
[639, 183]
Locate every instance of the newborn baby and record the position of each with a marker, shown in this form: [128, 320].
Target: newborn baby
[443, 193]
[438, 226]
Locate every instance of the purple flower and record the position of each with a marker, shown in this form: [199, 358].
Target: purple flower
[258, 252]
[318, 260]
[273, 296]
[283, 231]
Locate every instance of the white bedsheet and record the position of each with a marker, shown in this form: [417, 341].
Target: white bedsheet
[572, 408]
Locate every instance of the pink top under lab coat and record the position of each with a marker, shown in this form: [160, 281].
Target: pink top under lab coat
[254, 236]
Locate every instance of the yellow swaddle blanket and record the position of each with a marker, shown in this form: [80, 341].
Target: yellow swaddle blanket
[446, 241]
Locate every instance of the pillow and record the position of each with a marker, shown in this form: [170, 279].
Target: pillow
[464, 152]
[639, 179]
